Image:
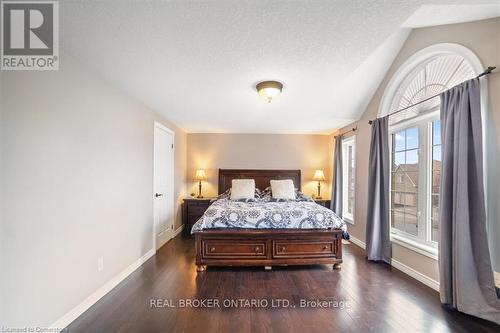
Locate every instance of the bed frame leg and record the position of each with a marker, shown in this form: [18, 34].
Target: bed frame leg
[268, 268]
[337, 266]
[201, 268]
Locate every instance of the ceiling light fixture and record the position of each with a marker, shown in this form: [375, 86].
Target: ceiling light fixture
[269, 89]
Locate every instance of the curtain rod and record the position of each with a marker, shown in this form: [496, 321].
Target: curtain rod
[486, 72]
[354, 129]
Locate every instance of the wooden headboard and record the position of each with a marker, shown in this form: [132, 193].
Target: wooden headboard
[262, 177]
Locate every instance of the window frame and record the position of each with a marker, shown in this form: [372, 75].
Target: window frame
[348, 142]
[423, 242]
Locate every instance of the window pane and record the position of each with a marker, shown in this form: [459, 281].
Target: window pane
[411, 182]
[348, 166]
[412, 138]
[434, 217]
[397, 219]
[350, 177]
[399, 141]
[436, 133]
[405, 171]
[435, 231]
[398, 159]
[398, 200]
[436, 179]
[411, 160]
[398, 181]
[411, 222]
[436, 154]
[411, 210]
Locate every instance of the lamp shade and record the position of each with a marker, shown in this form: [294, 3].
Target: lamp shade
[319, 175]
[200, 174]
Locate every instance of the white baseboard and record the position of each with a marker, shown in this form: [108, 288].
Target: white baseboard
[78, 310]
[415, 274]
[403, 268]
[178, 231]
[358, 242]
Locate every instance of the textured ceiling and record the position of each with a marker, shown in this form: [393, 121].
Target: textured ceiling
[197, 62]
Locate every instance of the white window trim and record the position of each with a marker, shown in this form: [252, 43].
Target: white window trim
[426, 247]
[415, 245]
[346, 142]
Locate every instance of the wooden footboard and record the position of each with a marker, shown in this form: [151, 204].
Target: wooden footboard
[268, 247]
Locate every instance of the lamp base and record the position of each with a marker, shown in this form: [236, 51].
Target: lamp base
[199, 191]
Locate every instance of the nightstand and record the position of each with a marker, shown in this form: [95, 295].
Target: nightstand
[192, 210]
[323, 202]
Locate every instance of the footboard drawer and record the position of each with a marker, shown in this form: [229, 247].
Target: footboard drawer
[304, 249]
[234, 249]
[268, 247]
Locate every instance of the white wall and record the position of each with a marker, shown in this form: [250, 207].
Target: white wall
[77, 182]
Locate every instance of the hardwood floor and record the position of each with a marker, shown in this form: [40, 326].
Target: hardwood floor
[378, 298]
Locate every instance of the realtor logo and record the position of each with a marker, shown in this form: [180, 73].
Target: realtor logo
[30, 35]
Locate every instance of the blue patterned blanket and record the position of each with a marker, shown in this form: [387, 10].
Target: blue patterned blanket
[264, 214]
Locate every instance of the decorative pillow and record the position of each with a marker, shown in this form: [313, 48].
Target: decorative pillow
[267, 192]
[225, 195]
[242, 189]
[302, 197]
[283, 189]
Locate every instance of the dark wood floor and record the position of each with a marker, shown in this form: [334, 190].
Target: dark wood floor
[379, 299]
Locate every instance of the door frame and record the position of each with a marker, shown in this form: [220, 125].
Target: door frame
[172, 189]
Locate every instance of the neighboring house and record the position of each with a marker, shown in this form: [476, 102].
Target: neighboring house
[405, 184]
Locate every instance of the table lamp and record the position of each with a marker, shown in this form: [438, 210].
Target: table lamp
[200, 175]
[319, 176]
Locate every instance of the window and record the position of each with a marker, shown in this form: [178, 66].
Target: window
[348, 170]
[415, 136]
[405, 172]
[436, 178]
[415, 181]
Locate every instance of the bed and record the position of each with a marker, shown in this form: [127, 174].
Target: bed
[267, 233]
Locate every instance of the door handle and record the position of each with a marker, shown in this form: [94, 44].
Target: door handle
[158, 195]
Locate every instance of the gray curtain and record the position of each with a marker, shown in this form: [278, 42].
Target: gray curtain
[466, 276]
[378, 242]
[336, 203]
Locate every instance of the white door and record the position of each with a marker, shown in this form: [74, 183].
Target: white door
[163, 189]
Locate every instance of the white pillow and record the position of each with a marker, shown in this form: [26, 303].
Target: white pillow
[242, 189]
[283, 189]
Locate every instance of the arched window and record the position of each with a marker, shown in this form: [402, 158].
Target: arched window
[415, 140]
[430, 78]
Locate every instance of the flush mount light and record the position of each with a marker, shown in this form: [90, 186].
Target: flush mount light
[269, 89]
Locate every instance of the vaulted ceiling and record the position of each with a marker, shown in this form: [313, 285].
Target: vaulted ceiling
[197, 62]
